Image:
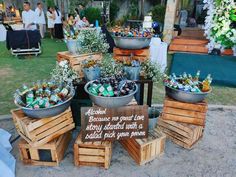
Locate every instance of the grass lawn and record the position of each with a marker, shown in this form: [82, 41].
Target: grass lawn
[14, 72]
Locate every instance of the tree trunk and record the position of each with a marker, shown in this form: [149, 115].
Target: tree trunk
[142, 9]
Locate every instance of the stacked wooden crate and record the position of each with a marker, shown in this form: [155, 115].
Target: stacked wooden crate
[96, 153]
[75, 60]
[125, 54]
[183, 122]
[43, 141]
[146, 149]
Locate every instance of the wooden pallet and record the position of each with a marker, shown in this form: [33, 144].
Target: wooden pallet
[184, 135]
[76, 60]
[147, 149]
[49, 154]
[96, 153]
[125, 54]
[40, 131]
[185, 112]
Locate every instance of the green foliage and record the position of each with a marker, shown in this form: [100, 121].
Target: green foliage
[50, 3]
[75, 4]
[158, 13]
[113, 11]
[185, 4]
[90, 41]
[134, 9]
[93, 14]
[152, 71]
[110, 68]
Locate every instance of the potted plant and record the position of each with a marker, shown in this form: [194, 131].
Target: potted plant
[91, 69]
[153, 114]
[71, 39]
[132, 69]
[151, 70]
[63, 73]
[91, 41]
[110, 68]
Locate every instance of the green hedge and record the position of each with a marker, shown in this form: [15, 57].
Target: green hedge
[158, 13]
[93, 14]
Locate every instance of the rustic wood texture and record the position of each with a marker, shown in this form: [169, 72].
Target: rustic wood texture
[184, 135]
[75, 61]
[97, 153]
[137, 116]
[147, 149]
[56, 149]
[124, 54]
[185, 112]
[40, 131]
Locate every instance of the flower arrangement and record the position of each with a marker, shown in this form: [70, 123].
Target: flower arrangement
[91, 69]
[151, 70]
[110, 68]
[90, 63]
[133, 63]
[70, 33]
[63, 73]
[91, 42]
[218, 24]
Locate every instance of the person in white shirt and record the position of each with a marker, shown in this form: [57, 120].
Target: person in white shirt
[58, 26]
[28, 17]
[51, 18]
[40, 18]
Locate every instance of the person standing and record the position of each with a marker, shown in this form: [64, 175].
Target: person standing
[28, 17]
[51, 19]
[40, 18]
[58, 26]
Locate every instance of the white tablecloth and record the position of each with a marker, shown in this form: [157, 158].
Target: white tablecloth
[158, 52]
[3, 32]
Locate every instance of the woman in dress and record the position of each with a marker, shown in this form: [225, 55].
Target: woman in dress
[58, 25]
[51, 18]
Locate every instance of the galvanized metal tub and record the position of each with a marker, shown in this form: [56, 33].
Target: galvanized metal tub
[48, 112]
[132, 42]
[187, 97]
[110, 102]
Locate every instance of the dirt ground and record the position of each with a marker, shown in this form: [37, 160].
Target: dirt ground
[214, 155]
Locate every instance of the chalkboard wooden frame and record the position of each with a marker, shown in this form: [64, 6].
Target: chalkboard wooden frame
[110, 124]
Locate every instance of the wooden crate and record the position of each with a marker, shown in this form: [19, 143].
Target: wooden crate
[124, 54]
[185, 112]
[76, 60]
[96, 153]
[146, 149]
[184, 135]
[49, 154]
[40, 131]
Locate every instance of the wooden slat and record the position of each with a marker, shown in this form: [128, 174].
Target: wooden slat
[98, 159]
[87, 151]
[200, 107]
[189, 120]
[186, 113]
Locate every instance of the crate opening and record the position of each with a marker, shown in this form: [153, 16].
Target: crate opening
[45, 155]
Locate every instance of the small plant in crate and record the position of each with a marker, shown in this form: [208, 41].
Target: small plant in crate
[91, 69]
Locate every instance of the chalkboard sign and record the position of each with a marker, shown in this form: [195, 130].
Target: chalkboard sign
[100, 124]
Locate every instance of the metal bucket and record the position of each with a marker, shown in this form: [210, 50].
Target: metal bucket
[185, 96]
[72, 45]
[110, 102]
[132, 42]
[153, 114]
[92, 73]
[132, 73]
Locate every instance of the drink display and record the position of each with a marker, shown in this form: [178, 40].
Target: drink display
[127, 32]
[43, 94]
[111, 87]
[188, 83]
